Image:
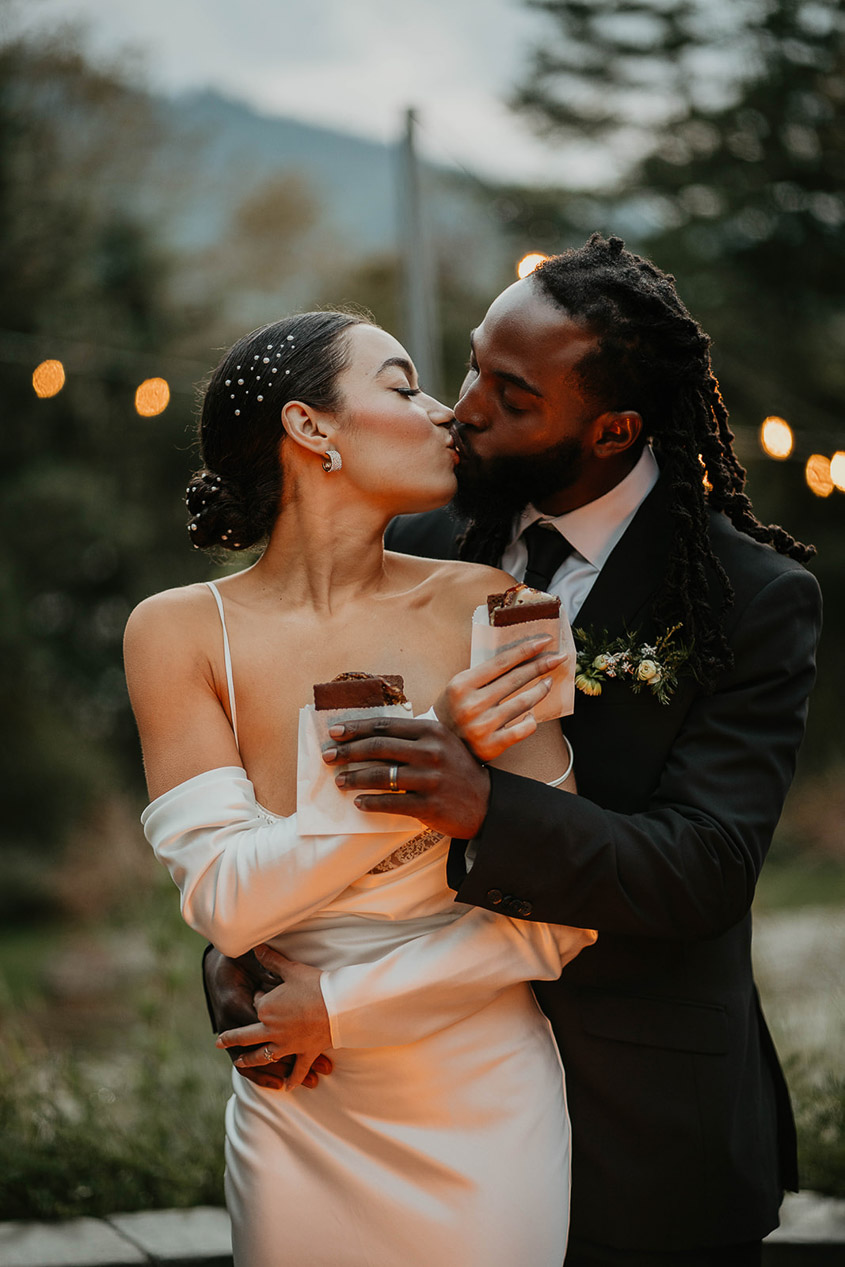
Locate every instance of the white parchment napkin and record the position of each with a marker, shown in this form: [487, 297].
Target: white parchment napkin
[488, 640]
[322, 808]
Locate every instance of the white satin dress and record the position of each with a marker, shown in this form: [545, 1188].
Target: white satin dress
[442, 1135]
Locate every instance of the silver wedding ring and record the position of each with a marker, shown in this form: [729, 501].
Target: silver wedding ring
[393, 779]
[269, 1056]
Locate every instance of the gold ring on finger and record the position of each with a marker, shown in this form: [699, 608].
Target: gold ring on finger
[393, 779]
[269, 1056]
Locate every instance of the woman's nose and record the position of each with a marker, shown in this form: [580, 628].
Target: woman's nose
[441, 415]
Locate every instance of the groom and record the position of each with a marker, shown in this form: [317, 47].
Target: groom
[596, 460]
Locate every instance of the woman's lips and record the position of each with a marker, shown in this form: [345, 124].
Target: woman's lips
[460, 447]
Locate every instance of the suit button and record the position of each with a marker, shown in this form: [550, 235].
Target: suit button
[525, 908]
[511, 904]
[494, 896]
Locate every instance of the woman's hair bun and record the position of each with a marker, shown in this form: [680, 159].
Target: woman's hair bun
[217, 514]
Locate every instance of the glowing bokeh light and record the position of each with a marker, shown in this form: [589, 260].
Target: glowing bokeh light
[776, 438]
[837, 470]
[817, 475]
[48, 379]
[529, 262]
[152, 397]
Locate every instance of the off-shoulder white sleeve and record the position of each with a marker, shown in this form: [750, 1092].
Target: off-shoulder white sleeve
[439, 977]
[245, 877]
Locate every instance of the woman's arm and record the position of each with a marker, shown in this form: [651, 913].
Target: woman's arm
[436, 979]
[422, 986]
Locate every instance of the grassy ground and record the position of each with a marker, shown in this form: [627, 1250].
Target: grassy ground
[112, 1093]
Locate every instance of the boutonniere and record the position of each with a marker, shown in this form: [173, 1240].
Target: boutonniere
[628, 659]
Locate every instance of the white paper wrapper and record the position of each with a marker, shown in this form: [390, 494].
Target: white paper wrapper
[488, 640]
[322, 808]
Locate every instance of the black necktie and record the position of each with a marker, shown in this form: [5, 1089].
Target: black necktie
[546, 551]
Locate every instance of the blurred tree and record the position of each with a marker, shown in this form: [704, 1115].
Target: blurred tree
[727, 130]
[89, 489]
[734, 180]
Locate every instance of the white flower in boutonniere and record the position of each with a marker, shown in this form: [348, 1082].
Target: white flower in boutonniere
[640, 664]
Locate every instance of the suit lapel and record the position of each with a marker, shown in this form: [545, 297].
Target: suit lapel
[633, 572]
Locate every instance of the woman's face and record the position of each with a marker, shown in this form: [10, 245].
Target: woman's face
[394, 440]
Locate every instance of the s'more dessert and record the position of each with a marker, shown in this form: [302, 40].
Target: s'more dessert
[520, 604]
[360, 690]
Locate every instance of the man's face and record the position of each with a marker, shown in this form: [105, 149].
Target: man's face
[523, 421]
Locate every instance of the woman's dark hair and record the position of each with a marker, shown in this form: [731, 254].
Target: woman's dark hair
[234, 499]
[653, 357]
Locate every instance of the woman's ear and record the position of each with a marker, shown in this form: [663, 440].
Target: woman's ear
[307, 427]
[617, 432]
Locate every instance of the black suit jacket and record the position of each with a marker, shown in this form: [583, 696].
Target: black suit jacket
[682, 1130]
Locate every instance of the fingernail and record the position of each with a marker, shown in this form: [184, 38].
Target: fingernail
[340, 780]
[556, 658]
[329, 754]
[547, 682]
[357, 802]
[336, 731]
[239, 1060]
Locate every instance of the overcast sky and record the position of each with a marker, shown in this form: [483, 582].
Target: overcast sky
[350, 64]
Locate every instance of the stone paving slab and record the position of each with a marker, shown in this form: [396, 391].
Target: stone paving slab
[200, 1236]
[812, 1234]
[67, 1243]
[806, 1218]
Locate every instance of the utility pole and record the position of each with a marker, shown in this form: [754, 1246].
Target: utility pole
[419, 275]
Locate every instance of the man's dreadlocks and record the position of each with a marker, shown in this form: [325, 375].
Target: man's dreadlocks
[653, 357]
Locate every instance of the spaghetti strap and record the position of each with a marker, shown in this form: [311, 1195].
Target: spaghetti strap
[228, 661]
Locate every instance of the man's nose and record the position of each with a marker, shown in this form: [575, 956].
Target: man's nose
[468, 409]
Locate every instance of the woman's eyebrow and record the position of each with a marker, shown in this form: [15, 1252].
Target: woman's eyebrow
[399, 362]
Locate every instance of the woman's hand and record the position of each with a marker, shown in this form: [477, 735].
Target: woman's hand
[292, 1022]
[489, 707]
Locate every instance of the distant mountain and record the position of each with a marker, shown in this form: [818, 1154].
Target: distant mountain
[231, 149]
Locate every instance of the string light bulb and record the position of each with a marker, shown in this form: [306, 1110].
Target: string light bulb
[529, 262]
[837, 470]
[817, 475]
[48, 379]
[152, 397]
[776, 438]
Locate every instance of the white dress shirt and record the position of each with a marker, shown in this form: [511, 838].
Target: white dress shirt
[592, 530]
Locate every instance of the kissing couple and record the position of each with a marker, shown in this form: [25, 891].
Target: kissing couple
[601, 866]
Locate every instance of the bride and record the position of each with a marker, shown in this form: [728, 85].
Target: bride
[454, 1147]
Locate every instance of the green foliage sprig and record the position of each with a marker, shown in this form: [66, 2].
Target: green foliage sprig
[636, 663]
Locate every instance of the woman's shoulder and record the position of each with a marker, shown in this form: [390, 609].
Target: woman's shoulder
[174, 613]
[448, 577]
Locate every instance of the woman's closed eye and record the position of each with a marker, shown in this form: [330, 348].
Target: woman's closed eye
[407, 391]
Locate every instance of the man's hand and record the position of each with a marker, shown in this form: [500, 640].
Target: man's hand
[441, 782]
[232, 986]
[289, 1017]
[489, 707]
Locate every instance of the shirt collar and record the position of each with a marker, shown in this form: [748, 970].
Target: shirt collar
[594, 529]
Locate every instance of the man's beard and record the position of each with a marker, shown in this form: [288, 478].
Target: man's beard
[497, 489]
